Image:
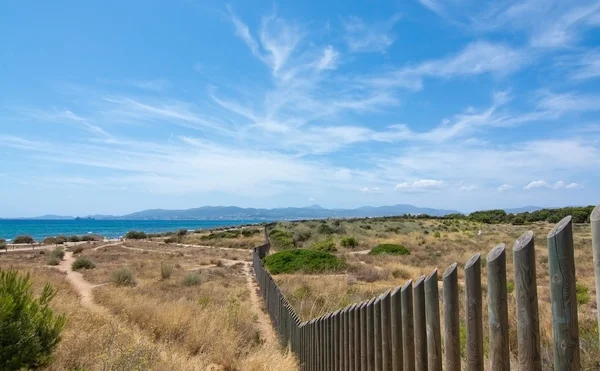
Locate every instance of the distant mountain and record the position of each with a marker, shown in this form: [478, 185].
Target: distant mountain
[524, 209]
[309, 212]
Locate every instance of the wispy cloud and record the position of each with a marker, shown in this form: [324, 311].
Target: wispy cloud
[505, 187]
[373, 190]
[361, 36]
[558, 185]
[421, 185]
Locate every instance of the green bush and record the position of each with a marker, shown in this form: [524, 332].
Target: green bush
[53, 260]
[90, 237]
[166, 270]
[518, 220]
[135, 235]
[583, 295]
[49, 241]
[327, 245]
[29, 330]
[437, 234]
[326, 229]
[302, 260]
[349, 241]
[23, 239]
[74, 239]
[171, 239]
[82, 263]
[192, 279]
[250, 232]
[389, 249]
[58, 253]
[3, 244]
[122, 277]
[76, 249]
[61, 239]
[282, 240]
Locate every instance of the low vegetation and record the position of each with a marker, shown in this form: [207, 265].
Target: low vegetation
[23, 239]
[349, 241]
[301, 260]
[327, 245]
[281, 240]
[30, 330]
[192, 279]
[389, 249]
[136, 235]
[122, 277]
[82, 263]
[166, 270]
[58, 253]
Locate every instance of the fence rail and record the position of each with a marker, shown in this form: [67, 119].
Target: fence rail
[400, 329]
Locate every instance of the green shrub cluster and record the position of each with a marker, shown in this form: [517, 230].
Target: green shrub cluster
[82, 263]
[76, 249]
[171, 239]
[349, 241]
[579, 214]
[23, 239]
[327, 245]
[74, 238]
[53, 260]
[192, 279]
[235, 233]
[302, 260]
[135, 235]
[122, 277]
[389, 249]
[59, 240]
[282, 240]
[583, 294]
[29, 330]
[249, 232]
[3, 244]
[58, 253]
[166, 270]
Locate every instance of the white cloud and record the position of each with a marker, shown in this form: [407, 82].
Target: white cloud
[569, 102]
[361, 36]
[468, 188]
[311, 199]
[505, 187]
[329, 59]
[421, 185]
[558, 185]
[373, 190]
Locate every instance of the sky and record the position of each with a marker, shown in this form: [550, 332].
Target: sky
[110, 107]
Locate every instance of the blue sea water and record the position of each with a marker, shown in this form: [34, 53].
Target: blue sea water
[40, 229]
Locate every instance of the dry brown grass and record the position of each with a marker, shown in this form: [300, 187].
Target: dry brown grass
[160, 323]
[367, 276]
[240, 242]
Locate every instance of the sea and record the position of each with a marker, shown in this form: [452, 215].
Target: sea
[40, 229]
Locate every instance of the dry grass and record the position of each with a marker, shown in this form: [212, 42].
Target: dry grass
[240, 242]
[160, 323]
[367, 276]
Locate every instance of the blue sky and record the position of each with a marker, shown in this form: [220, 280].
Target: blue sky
[117, 106]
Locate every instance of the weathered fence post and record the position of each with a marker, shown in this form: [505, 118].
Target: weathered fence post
[408, 339]
[351, 349]
[363, 337]
[451, 319]
[356, 320]
[474, 314]
[420, 325]
[386, 332]
[528, 327]
[335, 339]
[343, 339]
[595, 223]
[499, 358]
[563, 293]
[432, 319]
[396, 328]
[370, 336]
[377, 332]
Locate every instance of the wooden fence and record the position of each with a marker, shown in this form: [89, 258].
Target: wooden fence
[400, 329]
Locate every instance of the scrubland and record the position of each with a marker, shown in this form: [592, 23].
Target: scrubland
[432, 244]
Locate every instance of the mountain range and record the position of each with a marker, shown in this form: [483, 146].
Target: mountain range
[239, 213]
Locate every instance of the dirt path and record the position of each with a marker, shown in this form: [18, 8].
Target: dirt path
[214, 247]
[81, 286]
[107, 245]
[263, 322]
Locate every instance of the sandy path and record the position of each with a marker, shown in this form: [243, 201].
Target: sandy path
[82, 287]
[263, 322]
[214, 247]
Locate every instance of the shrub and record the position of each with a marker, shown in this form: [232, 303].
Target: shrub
[181, 232]
[90, 237]
[166, 270]
[192, 279]
[122, 277]
[401, 273]
[583, 295]
[518, 220]
[82, 263]
[349, 241]
[437, 235]
[58, 253]
[171, 239]
[327, 245]
[282, 240]
[49, 241]
[74, 239]
[389, 249]
[326, 229]
[53, 260]
[23, 239]
[3, 244]
[135, 235]
[250, 232]
[77, 249]
[61, 239]
[302, 234]
[30, 330]
[304, 260]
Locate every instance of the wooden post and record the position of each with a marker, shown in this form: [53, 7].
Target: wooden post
[386, 332]
[363, 337]
[370, 336]
[335, 340]
[528, 327]
[396, 328]
[356, 320]
[499, 357]
[563, 293]
[377, 333]
[595, 223]
[474, 314]
[420, 325]
[451, 319]
[351, 349]
[344, 338]
[432, 319]
[408, 339]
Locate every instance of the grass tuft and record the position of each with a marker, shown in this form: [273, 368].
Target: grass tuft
[389, 249]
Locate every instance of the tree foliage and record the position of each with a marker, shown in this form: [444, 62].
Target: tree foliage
[136, 235]
[23, 239]
[29, 330]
